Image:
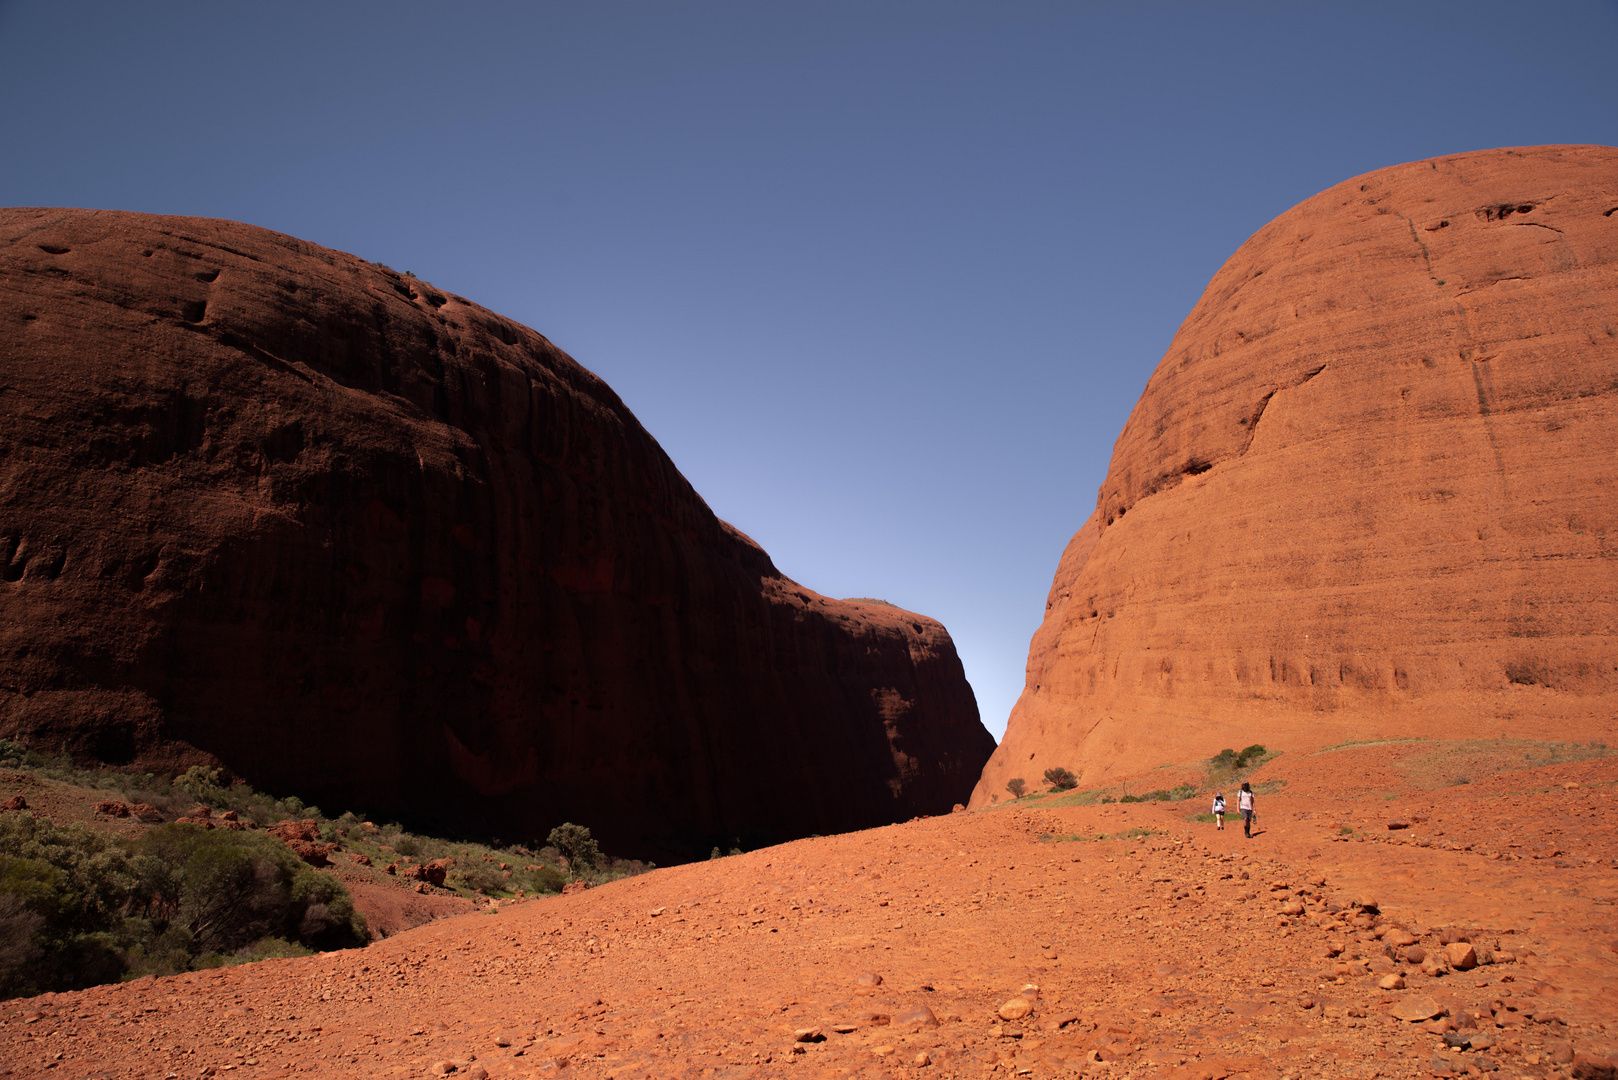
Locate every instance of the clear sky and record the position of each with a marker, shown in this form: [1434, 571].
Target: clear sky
[883, 278]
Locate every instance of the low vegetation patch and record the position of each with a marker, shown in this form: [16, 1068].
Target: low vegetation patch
[1080, 838]
[1356, 744]
[80, 906]
[474, 869]
[1439, 763]
[78, 909]
[1178, 793]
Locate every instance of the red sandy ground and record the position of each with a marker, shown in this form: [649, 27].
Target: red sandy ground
[1162, 956]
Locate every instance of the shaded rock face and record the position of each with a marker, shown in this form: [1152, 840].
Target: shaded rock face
[1370, 491]
[268, 505]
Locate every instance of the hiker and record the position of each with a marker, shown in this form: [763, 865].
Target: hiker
[1244, 802]
[1219, 809]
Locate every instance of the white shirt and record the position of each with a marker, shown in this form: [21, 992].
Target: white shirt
[1245, 800]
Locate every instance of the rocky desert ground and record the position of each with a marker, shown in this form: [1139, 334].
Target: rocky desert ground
[1385, 920]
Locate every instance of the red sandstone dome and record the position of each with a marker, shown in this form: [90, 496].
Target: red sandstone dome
[268, 505]
[1371, 490]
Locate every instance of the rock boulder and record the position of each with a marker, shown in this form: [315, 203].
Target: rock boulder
[1369, 490]
[269, 506]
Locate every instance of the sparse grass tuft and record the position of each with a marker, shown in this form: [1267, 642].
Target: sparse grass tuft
[1179, 793]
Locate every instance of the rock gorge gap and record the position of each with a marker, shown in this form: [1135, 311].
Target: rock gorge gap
[1370, 490]
[267, 505]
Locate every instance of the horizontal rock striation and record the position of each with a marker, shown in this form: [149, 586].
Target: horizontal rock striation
[1370, 491]
[270, 506]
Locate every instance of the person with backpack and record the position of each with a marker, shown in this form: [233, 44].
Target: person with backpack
[1219, 809]
[1244, 802]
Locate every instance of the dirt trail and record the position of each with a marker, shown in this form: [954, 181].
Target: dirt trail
[1165, 954]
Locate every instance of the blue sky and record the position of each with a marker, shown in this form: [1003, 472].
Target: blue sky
[883, 278]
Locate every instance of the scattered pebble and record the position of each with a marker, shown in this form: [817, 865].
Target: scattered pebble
[1017, 1008]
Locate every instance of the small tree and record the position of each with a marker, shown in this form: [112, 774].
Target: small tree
[576, 846]
[201, 784]
[1016, 785]
[1060, 779]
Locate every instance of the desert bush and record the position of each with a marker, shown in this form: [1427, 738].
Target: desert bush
[78, 909]
[272, 948]
[576, 846]
[1234, 759]
[234, 888]
[1061, 779]
[1178, 793]
[202, 785]
[477, 876]
[1016, 785]
[153, 951]
[543, 879]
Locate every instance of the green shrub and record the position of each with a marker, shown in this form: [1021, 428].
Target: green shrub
[1232, 759]
[1061, 779]
[234, 888]
[152, 951]
[272, 948]
[1175, 794]
[543, 879]
[1016, 785]
[576, 846]
[477, 876]
[78, 909]
[202, 785]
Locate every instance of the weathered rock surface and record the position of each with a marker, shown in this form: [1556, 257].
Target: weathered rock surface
[1370, 490]
[267, 505]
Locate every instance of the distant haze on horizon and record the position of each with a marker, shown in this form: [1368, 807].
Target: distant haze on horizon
[884, 280]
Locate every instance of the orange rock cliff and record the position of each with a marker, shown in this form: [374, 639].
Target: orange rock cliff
[1370, 491]
[267, 505]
